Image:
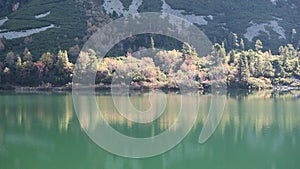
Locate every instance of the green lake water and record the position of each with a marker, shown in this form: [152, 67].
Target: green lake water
[260, 130]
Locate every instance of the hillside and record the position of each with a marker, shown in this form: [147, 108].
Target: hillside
[50, 25]
[42, 39]
[41, 26]
[271, 21]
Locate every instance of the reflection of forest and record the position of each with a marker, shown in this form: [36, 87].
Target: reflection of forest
[257, 111]
[260, 127]
[26, 110]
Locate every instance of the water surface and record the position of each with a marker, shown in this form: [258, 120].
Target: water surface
[257, 131]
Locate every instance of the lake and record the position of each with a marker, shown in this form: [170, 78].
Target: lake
[258, 130]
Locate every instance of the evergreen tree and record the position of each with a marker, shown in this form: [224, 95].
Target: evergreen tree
[288, 52]
[48, 71]
[19, 61]
[233, 41]
[63, 68]
[279, 70]
[269, 71]
[242, 45]
[258, 66]
[187, 49]
[10, 59]
[294, 32]
[27, 55]
[243, 68]
[232, 57]
[152, 43]
[218, 53]
[258, 45]
[86, 65]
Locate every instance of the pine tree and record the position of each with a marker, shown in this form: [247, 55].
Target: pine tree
[233, 41]
[242, 44]
[294, 32]
[258, 66]
[243, 68]
[219, 53]
[232, 57]
[19, 61]
[152, 43]
[269, 72]
[258, 45]
[187, 49]
[27, 55]
[10, 59]
[63, 68]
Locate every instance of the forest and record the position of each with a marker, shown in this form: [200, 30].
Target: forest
[166, 69]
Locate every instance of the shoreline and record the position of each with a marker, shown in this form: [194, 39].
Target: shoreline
[134, 88]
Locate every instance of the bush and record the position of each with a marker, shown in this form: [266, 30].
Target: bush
[259, 83]
[282, 81]
[296, 84]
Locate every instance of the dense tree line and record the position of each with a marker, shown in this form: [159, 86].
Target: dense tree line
[49, 69]
[237, 68]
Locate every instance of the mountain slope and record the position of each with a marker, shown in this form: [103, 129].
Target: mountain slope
[271, 21]
[50, 25]
[66, 23]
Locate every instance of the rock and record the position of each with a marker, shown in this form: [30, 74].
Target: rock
[16, 7]
[2, 46]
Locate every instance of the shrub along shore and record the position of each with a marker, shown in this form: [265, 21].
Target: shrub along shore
[166, 69]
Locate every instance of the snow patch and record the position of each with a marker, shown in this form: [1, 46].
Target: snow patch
[274, 2]
[116, 6]
[255, 29]
[4, 33]
[2, 21]
[111, 6]
[25, 33]
[210, 17]
[42, 15]
[16, 7]
[293, 6]
[278, 29]
[191, 18]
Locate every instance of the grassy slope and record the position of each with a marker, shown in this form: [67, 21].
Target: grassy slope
[238, 14]
[70, 20]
